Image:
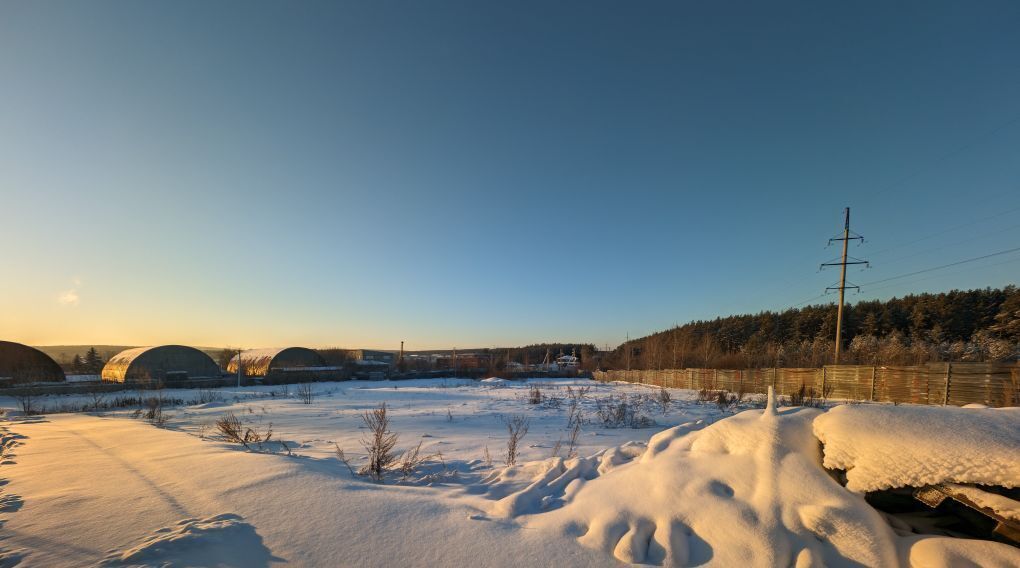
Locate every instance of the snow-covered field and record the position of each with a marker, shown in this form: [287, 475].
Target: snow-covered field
[695, 485]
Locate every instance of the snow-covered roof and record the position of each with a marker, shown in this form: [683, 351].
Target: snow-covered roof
[24, 363]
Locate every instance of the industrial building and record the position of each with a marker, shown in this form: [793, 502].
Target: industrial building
[162, 364]
[387, 357]
[23, 364]
[286, 364]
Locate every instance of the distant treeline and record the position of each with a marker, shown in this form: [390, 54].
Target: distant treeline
[972, 325]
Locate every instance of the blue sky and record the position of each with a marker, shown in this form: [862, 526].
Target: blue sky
[477, 174]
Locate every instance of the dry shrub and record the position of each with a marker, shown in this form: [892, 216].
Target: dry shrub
[620, 413]
[724, 400]
[413, 459]
[305, 393]
[556, 448]
[808, 396]
[577, 394]
[664, 399]
[379, 444]
[230, 427]
[535, 395]
[706, 394]
[206, 396]
[26, 402]
[517, 427]
[574, 433]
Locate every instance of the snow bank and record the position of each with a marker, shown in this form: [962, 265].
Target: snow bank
[946, 552]
[884, 447]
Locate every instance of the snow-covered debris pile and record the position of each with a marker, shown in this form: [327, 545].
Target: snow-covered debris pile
[745, 491]
[749, 490]
[884, 447]
[999, 504]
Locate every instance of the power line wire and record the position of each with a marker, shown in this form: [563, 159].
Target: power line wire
[942, 266]
[943, 247]
[939, 159]
[945, 231]
[940, 275]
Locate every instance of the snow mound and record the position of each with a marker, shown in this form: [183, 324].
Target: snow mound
[213, 404]
[746, 491]
[946, 552]
[749, 490]
[546, 485]
[494, 381]
[221, 541]
[884, 447]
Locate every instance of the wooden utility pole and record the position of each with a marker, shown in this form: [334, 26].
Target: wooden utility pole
[842, 264]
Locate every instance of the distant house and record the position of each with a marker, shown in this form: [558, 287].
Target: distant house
[284, 365]
[23, 364]
[567, 362]
[162, 364]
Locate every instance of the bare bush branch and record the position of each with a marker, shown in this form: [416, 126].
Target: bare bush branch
[574, 433]
[343, 458]
[379, 444]
[305, 393]
[535, 395]
[517, 427]
[664, 399]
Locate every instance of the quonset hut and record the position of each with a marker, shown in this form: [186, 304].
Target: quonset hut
[23, 364]
[166, 363]
[283, 364]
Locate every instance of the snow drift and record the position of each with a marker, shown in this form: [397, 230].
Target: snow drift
[746, 491]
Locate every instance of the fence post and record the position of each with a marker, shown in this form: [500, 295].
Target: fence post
[945, 399]
[774, 380]
[873, 372]
[823, 381]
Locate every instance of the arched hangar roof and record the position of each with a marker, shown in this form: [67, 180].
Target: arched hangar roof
[259, 362]
[160, 363]
[24, 364]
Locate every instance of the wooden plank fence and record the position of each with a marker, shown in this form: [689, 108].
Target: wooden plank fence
[992, 384]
